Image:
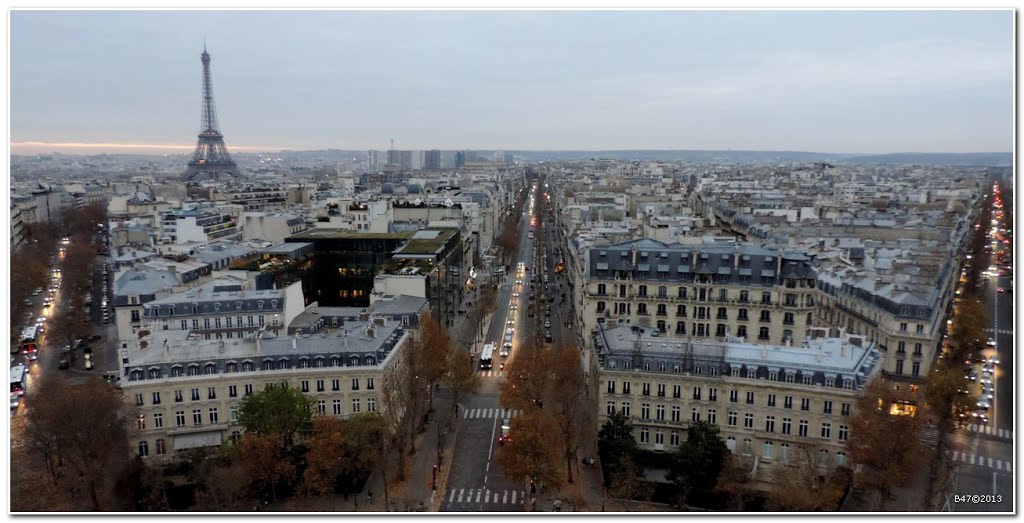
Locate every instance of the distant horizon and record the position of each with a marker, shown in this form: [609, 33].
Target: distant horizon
[162, 149]
[761, 80]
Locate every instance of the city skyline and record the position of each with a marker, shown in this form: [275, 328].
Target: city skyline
[824, 81]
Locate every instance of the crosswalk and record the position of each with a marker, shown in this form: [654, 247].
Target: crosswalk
[489, 373]
[982, 461]
[990, 431]
[1007, 332]
[490, 413]
[484, 495]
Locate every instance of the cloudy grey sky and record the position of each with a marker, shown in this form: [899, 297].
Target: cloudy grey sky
[844, 82]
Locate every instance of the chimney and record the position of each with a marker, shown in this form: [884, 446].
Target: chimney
[844, 349]
[259, 341]
[295, 341]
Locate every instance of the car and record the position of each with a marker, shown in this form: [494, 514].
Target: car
[547, 324]
[95, 337]
[511, 321]
[515, 294]
[1000, 289]
[513, 306]
[519, 282]
[64, 365]
[547, 336]
[506, 427]
[984, 404]
[32, 356]
[88, 362]
[15, 401]
[37, 291]
[28, 302]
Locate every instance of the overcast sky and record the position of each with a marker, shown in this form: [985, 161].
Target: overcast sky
[843, 82]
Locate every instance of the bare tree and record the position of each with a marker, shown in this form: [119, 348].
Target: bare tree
[460, 378]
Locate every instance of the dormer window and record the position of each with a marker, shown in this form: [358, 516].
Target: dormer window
[259, 304]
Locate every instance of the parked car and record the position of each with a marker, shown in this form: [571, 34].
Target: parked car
[64, 364]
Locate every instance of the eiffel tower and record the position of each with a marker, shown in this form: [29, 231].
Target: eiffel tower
[210, 159]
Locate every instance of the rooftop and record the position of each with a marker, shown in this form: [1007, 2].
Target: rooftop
[320, 233]
[286, 248]
[427, 241]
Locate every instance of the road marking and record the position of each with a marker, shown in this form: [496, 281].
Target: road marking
[989, 462]
[461, 490]
[466, 415]
[487, 498]
[452, 496]
[999, 465]
[513, 497]
[478, 495]
[504, 497]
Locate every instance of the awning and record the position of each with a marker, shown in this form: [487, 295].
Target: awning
[725, 270]
[683, 268]
[197, 439]
[744, 272]
[767, 273]
[602, 266]
[663, 268]
[644, 267]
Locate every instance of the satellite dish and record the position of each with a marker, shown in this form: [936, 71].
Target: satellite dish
[448, 202]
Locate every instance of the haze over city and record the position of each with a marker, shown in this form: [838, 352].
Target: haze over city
[842, 82]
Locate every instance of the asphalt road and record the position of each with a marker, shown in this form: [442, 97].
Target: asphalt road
[476, 483]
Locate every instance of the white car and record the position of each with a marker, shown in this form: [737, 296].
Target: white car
[15, 401]
[515, 294]
[37, 291]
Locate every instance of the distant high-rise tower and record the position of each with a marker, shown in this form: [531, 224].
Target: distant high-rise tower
[211, 158]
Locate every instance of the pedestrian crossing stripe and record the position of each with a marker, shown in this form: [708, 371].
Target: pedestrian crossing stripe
[981, 461]
[1007, 332]
[491, 373]
[483, 495]
[490, 413]
[991, 431]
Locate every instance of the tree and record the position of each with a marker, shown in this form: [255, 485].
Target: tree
[399, 411]
[528, 376]
[950, 409]
[67, 326]
[565, 400]
[264, 459]
[325, 457]
[615, 442]
[428, 360]
[80, 433]
[459, 377]
[697, 463]
[531, 452]
[797, 485]
[734, 482]
[280, 410]
[888, 446]
[224, 489]
[628, 482]
[362, 435]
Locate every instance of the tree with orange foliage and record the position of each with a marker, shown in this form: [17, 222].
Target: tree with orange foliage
[263, 457]
[325, 457]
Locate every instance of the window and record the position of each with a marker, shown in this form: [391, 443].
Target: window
[828, 406]
[771, 400]
[138, 399]
[158, 421]
[625, 408]
[211, 393]
[766, 297]
[720, 330]
[673, 438]
[744, 296]
[915, 369]
[184, 325]
[611, 387]
[626, 386]
[140, 422]
[233, 413]
[826, 430]
[806, 379]
[696, 393]
[647, 389]
[751, 373]
[371, 405]
[659, 413]
[179, 418]
[695, 414]
[232, 391]
[610, 408]
[741, 331]
[321, 407]
[161, 447]
[712, 416]
[214, 417]
[841, 459]
[750, 398]
[645, 435]
[767, 450]
[195, 394]
[645, 411]
[784, 452]
[336, 404]
[681, 311]
[335, 385]
[197, 417]
[844, 432]
[803, 428]
[830, 382]
[748, 421]
[319, 385]
[143, 449]
[712, 394]
[763, 333]
[899, 366]
[769, 424]
[845, 409]
[369, 383]
[722, 315]
[748, 447]
[742, 315]
[248, 389]
[355, 383]
[676, 413]
[805, 404]
[787, 425]
[734, 396]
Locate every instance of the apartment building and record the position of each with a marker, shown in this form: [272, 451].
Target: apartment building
[187, 390]
[705, 291]
[772, 403]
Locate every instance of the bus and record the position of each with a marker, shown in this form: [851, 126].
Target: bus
[18, 379]
[486, 355]
[28, 339]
